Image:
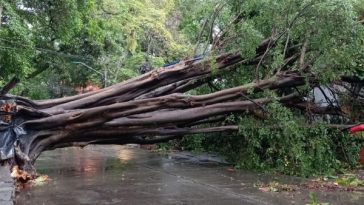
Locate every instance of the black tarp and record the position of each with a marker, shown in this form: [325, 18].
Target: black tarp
[9, 130]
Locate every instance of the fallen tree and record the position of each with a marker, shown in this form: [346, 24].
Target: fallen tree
[150, 108]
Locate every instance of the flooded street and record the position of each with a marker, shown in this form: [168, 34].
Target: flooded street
[122, 175]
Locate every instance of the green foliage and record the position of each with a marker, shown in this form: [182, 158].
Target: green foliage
[46, 38]
[283, 143]
[194, 14]
[314, 201]
[350, 180]
[287, 141]
[251, 38]
[43, 38]
[14, 58]
[195, 143]
[164, 147]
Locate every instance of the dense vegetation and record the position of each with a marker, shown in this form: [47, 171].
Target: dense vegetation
[54, 46]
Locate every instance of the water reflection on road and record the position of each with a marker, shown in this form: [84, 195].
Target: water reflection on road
[122, 175]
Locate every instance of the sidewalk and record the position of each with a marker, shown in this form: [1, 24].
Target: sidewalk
[6, 187]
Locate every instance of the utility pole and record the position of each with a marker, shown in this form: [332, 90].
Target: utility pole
[1, 14]
[105, 78]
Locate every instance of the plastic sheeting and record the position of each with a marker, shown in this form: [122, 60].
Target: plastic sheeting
[9, 131]
[356, 128]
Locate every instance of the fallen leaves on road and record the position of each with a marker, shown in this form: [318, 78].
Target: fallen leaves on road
[20, 175]
[40, 180]
[346, 182]
[231, 169]
[276, 187]
[25, 180]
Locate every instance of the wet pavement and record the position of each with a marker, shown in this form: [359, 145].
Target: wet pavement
[6, 186]
[124, 175]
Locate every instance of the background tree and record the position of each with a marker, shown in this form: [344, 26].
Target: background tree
[69, 43]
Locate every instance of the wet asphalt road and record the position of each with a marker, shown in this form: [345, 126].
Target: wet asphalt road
[122, 175]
